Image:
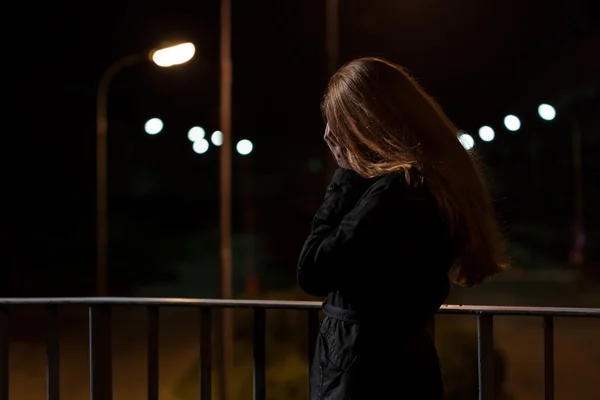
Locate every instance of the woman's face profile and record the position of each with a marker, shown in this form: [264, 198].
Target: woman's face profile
[327, 130]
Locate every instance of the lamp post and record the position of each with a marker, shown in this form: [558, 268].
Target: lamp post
[163, 57]
[225, 258]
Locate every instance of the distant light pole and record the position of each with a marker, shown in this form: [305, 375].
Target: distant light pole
[225, 258]
[576, 257]
[252, 284]
[163, 57]
[547, 113]
[577, 252]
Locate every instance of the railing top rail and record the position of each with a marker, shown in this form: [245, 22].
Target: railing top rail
[160, 301]
[295, 305]
[519, 310]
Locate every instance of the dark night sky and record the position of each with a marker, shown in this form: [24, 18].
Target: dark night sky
[479, 59]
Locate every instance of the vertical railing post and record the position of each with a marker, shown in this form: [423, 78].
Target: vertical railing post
[4, 346]
[152, 352]
[485, 355]
[259, 354]
[313, 331]
[205, 354]
[549, 358]
[100, 352]
[52, 353]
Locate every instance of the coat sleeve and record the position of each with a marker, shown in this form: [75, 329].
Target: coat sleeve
[339, 228]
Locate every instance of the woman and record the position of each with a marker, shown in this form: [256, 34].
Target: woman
[407, 210]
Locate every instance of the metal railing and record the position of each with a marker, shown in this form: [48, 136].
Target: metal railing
[100, 362]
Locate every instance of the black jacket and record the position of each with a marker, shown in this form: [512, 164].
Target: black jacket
[380, 251]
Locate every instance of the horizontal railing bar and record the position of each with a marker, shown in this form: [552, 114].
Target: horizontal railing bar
[182, 302]
[295, 305]
[521, 311]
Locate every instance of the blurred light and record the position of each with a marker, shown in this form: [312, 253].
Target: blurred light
[486, 134]
[196, 133]
[466, 140]
[512, 123]
[153, 126]
[244, 147]
[217, 138]
[173, 55]
[200, 146]
[547, 112]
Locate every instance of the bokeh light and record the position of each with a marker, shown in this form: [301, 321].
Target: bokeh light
[512, 123]
[486, 133]
[466, 140]
[153, 126]
[546, 112]
[244, 147]
[217, 138]
[196, 133]
[200, 146]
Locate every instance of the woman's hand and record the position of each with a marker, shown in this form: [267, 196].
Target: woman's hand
[339, 153]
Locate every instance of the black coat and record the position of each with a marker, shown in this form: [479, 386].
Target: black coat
[380, 251]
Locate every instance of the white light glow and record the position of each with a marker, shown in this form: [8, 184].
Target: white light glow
[201, 146]
[217, 138]
[174, 55]
[196, 133]
[512, 123]
[546, 112]
[153, 126]
[486, 133]
[466, 140]
[244, 147]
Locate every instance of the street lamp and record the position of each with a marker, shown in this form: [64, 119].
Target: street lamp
[173, 55]
[164, 57]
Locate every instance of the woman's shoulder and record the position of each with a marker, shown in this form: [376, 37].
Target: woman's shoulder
[402, 186]
[399, 181]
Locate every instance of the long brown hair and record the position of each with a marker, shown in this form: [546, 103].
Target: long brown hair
[387, 123]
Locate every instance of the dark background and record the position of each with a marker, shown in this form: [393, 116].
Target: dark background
[480, 60]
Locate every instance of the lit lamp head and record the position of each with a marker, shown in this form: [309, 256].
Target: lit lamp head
[173, 55]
